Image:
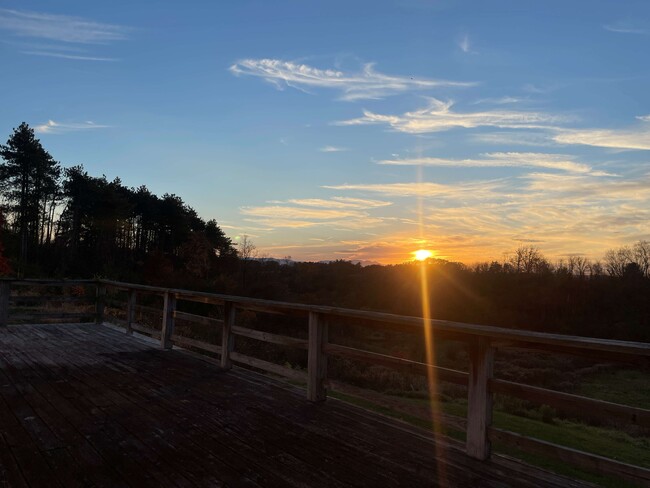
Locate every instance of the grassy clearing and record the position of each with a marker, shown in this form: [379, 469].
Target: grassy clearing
[626, 386]
[597, 440]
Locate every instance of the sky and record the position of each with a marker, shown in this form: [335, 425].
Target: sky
[356, 130]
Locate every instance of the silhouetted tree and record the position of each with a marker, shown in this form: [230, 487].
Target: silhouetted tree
[529, 259]
[221, 244]
[616, 260]
[30, 181]
[641, 251]
[578, 265]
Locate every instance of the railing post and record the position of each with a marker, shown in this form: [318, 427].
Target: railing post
[169, 307]
[130, 312]
[5, 292]
[317, 359]
[227, 337]
[99, 303]
[479, 401]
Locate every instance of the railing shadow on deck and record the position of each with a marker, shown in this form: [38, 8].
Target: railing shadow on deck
[481, 343]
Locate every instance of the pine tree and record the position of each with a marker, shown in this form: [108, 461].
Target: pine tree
[30, 180]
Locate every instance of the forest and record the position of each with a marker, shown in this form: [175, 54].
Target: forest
[63, 222]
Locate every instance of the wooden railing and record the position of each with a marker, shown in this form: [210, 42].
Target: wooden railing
[481, 343]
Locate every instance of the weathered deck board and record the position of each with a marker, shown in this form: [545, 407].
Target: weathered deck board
[85, 405]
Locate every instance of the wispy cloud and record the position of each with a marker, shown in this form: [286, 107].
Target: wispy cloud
[294, 212]
[561, 162]
[361, 202]
[464, 44]
[336, 213]
[537, 89]
[337, 202]
[62, 28]
[330, 149]
[627, 27]
[513, 138]
[366, 84]
[52, 127]
[439, 116]
[58, 32]
[467, 190]
[506, 100]
[77, 57]
[577, 187]
[613, 138]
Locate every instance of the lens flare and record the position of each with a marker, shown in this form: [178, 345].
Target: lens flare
[432, 377]
[422, 255]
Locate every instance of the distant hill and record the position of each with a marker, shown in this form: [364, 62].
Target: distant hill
[291, 262]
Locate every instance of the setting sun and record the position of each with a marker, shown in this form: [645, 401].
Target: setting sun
[422, 254]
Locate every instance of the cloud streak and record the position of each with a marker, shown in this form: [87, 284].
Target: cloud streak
[52, 127]
[366, 84]
[622, 27]
[336, 213]
[439, 116]
[618, 139]
[466, 190]
[277, 211]
[510, 159]
[331, 149]
[58, 35]
[60, 55]
[62, 28]
[464, 44]
[338, 202]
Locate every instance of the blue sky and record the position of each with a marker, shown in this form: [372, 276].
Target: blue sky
[353, 130]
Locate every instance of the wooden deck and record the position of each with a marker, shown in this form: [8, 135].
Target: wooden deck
[86, 405]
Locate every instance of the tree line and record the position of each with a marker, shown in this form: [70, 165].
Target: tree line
[524, 290]
[624, 261]
[66, 222]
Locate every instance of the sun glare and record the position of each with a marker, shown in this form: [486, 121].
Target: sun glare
[423, 254]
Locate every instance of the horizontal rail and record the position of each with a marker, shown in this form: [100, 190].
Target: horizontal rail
[189, 342]
[590, 462]
[30, 282]
[202, 298]
[49, 298]
[268, 337]
[268, 366]
[444, 374]
[51, 315]
[123, 304]
[585, 407]
[197, 319]
[594, 355]
[461, 330]
[118, 285]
